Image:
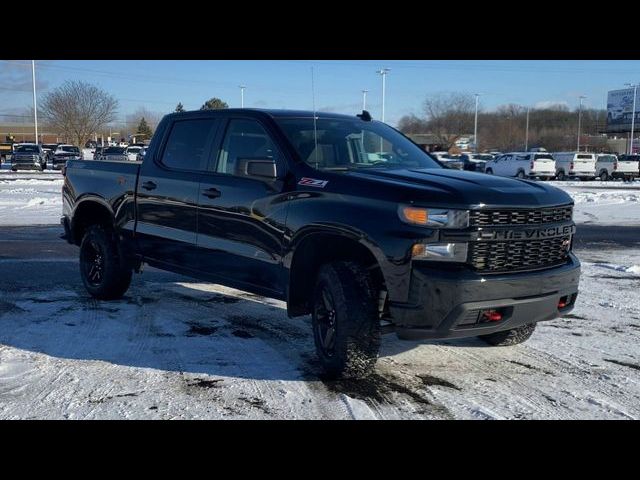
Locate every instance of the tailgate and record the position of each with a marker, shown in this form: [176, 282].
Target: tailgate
[628, 166]
[544, 165]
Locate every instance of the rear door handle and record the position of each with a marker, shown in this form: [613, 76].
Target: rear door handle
[149, 186]
[212, 193]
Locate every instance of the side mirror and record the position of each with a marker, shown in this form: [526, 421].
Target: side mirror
[259, 168]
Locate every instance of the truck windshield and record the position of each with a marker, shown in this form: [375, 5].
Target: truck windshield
[27, 149]
[346, 144]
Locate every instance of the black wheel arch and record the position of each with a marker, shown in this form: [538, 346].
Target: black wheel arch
[314, 249]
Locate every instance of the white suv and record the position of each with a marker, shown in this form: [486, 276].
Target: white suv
[523, 165]
[610, 166]
[573, 164]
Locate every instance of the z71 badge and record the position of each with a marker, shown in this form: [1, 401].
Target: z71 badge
[313, 182]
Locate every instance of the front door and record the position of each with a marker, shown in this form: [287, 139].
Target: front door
[241, 220]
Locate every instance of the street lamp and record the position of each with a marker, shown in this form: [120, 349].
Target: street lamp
[383, 72]
[35, 107]
[581, 97]
[633, 115]
[364, 99]
[475, 126]
[242, 87]
[526, 133]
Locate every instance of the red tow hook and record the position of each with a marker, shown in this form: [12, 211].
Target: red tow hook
[492, 315]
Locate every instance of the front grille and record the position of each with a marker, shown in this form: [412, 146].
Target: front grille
[484, 218]
[495, 257]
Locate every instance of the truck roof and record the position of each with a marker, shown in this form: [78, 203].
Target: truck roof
[272, 112]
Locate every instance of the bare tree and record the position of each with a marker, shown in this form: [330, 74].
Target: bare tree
[76, 110]
[150, 116]
[412, 124]
[450, 116]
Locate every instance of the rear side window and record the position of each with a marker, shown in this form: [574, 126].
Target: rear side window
[245, 140]
[188, 144]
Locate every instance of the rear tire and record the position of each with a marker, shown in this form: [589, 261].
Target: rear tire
[561, 176]
[604, 176]
[511, 337]
[520, 174]
[346, 327]
[488, 171]
[103, 273]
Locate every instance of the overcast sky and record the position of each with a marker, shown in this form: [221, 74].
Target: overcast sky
[160, 85]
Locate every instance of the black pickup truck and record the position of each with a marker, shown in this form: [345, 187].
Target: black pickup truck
[342, 217]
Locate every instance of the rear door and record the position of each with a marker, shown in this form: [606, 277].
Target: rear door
[168, 188]
[241, 219]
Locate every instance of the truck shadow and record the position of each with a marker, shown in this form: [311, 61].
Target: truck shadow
[184, 327]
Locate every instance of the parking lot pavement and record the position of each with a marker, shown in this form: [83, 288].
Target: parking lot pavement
[177, 348]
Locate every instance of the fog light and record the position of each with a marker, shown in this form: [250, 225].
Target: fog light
[440, 252]
[492, 316]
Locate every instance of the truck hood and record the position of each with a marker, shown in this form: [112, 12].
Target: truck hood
[450, 188]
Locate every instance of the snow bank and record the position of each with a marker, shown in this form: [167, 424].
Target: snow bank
[31, 199]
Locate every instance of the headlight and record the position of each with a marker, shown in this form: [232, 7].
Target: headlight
[440, 252]
[430, 217]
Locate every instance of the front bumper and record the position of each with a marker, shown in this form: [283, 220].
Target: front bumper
[25, 166]
[448, 304]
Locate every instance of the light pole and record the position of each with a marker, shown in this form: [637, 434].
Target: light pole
[364, 99]
[633, 115]
[383, 72]
[475, 126]
[581, 97]
[242, 87]
[35, 106]
[526, 133]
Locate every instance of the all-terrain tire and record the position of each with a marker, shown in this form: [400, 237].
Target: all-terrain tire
[346, 289]
[511, 337]
[105, 277]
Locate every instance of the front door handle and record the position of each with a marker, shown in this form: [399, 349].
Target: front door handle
[149, 186]
[212, 193]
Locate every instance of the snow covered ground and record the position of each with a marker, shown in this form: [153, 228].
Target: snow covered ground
[30, 198]
[192, 350]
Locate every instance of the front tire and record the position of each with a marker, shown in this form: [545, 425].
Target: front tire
[511, 337]
[346, 327]
[103, 273]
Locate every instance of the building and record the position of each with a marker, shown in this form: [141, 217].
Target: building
[25, 132]
[428, 141]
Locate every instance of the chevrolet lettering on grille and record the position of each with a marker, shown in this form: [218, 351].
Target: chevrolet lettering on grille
[527, 234]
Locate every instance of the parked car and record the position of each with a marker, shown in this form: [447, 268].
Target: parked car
[475, 162]
[63, 153]
[28, 156]
[626, 167]
[448, 160]
[141, 153]
[97, 152]
[132, 152]
[286, 204]
[50, 149]
[118, 154]
[6, 151]
[522, 165]
[571, 165]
